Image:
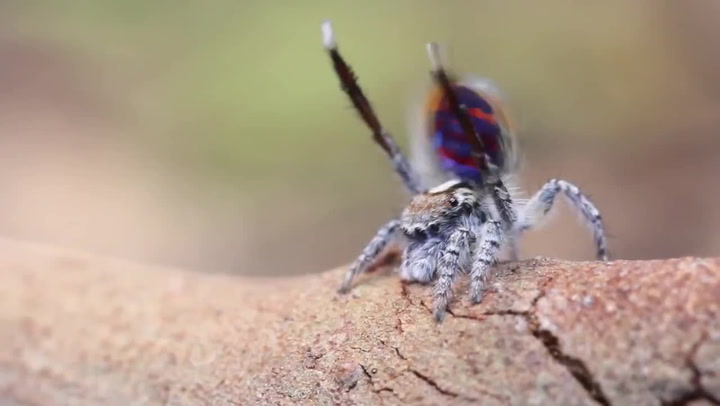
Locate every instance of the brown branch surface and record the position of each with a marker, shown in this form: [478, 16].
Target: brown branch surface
[82, 330]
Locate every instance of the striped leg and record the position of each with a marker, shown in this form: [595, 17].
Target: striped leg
[540, 204]
[485, 257]
[504, 203]
[371, 251]
[449, 267]
[509, 216]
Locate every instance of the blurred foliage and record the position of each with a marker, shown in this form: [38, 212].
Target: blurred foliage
[243, 87]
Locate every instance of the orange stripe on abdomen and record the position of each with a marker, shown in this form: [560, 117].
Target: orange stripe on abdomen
[478, 113]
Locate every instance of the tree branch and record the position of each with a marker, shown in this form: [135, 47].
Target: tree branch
[77, 329]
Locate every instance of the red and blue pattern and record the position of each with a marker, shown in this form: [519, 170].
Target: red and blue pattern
[454, 149]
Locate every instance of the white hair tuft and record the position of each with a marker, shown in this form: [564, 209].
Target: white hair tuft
[328, 35]
[433, 50]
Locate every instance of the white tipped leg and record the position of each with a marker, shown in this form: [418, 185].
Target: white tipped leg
[485, 257]
[350, 86]
[371, 251]
[449, 266]
[328, 35]
[433, 50]
[540, 204]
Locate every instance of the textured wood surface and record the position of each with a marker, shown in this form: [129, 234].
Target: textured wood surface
[82, 330]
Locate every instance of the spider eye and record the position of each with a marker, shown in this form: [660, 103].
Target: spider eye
[453, 202]
[434, 229]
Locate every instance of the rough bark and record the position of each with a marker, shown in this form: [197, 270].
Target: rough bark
[82, 330]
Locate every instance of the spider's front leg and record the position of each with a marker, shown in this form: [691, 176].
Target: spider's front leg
[541, 203]
[384, 235]
[449, 266]
[485, 256]
[506, 208]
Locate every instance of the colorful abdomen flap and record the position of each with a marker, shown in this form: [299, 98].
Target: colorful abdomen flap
[454, 149]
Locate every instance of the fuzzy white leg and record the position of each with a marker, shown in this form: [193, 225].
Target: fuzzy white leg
[485, 257]
[505, 205]
[540, 204]
[371, 251]
[510, 200]
[449, 266]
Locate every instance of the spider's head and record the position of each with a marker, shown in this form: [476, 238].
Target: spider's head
[438, 209]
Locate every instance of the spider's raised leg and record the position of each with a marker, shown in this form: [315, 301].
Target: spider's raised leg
[540, 204]
[490, 179]
[350, 86]
[484, 258]
[371, 251]
[449, 267]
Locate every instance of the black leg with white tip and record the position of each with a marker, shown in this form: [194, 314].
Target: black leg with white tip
[350, 86]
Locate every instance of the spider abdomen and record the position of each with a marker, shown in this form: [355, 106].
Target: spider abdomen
[456, 153]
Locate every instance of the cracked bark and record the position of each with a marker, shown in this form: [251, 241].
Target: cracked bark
[86, 330]
[697, 391]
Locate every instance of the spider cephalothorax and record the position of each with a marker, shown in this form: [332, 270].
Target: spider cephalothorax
[460, 225]
[438, 209]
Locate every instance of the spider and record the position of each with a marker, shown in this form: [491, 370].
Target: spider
[460, 224]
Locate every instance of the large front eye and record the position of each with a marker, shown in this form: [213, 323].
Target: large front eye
[433, 229]
[453, 202]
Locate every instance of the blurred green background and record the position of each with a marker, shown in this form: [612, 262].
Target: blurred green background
[213, 135]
